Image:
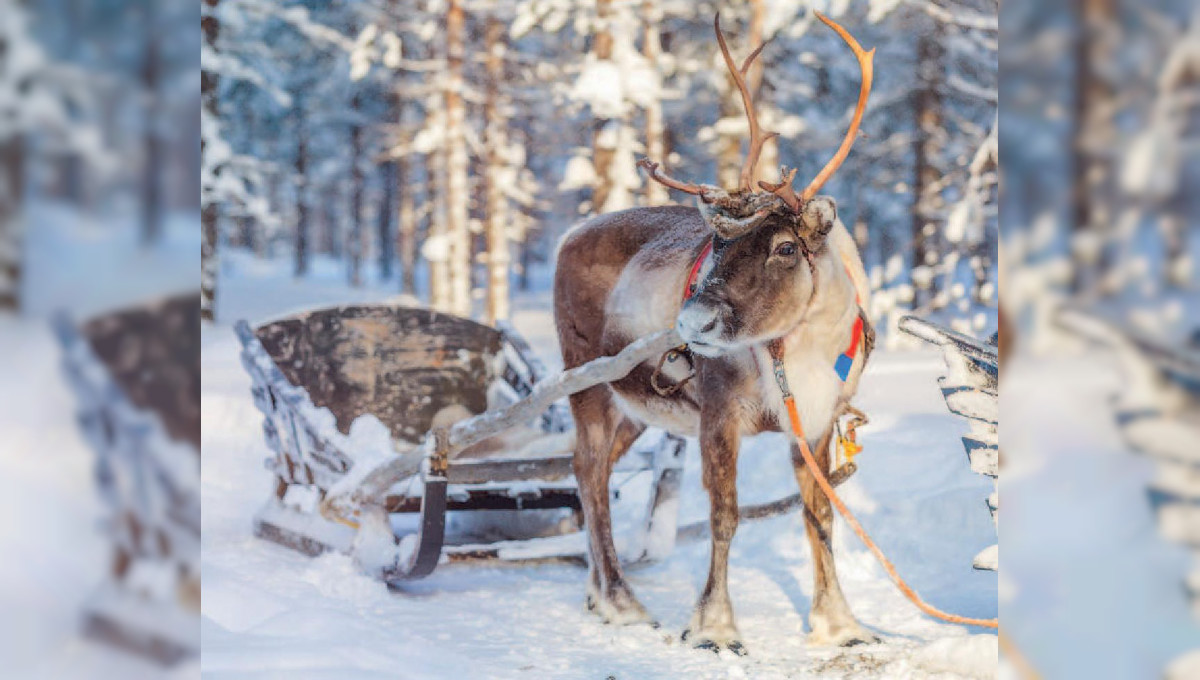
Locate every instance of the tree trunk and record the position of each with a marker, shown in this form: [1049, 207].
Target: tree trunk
[251, 228]
[496, 209]
[264, 245]
[459, 239]
[209, 214]
[406, 226]
[656, 194]
[387, 200]
[927, 197]
[1091, 174]
[12, 190]
[70, 168]
[435, 245]
[354, 247]
[768, 160]
[526, 259]
[302, 216]
[152, 164]
[331, 225]
[1174, 227]
[603, 139]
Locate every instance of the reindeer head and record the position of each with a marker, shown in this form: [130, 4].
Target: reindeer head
[765, 243]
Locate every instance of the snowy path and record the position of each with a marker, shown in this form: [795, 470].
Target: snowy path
[269, 611]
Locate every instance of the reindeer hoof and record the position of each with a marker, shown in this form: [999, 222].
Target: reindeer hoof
[621, 611]
[714, 646]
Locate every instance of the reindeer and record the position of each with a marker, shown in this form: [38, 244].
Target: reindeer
[775, 283]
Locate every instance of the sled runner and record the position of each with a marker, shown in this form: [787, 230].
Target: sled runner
[136, 377]
[372, 414]
[1158, 413]
[970, 390]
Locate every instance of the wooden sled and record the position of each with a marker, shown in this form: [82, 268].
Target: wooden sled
[347, 392]
[970, 388]
[136, 377]
[1158, 413]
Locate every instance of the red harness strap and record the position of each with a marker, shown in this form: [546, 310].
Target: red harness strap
[689, 288]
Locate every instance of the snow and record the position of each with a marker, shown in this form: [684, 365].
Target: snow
[267, 609]
[600, 87]
[578, 174]
[975, 656]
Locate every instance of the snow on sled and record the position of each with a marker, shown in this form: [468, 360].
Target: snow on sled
[1158, 413]
[970, 388]
[136, 377]
[348, 391]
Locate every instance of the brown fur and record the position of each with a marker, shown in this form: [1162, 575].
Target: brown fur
[620, 276]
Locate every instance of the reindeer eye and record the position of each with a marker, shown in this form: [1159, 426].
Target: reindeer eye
[786, 249]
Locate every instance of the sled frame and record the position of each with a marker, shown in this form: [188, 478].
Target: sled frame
[303, 457]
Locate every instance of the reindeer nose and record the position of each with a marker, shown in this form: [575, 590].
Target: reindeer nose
[697, 321]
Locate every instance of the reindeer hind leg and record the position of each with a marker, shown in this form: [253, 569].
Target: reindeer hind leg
[603, 435]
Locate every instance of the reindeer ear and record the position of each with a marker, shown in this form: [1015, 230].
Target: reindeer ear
[816, 220]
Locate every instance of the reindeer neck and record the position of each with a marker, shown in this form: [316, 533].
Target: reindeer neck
[827, 325]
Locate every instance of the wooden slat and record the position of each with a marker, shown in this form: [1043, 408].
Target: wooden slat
[511, 470]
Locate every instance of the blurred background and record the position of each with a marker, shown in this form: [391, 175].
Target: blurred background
[1099, 397]
[99, 214]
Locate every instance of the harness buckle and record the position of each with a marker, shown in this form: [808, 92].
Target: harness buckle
[671, 356]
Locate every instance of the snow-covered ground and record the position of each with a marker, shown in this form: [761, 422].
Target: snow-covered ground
[268, 611]
[1090, 589]
[53, 552]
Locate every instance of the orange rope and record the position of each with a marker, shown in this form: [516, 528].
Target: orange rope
[1020, 663]
[822, 482]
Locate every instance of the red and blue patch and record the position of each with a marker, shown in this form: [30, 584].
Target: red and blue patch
[845, 360]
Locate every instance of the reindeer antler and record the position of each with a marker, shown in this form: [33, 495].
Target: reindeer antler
[651, 169]
[784, 189]
[757, 136]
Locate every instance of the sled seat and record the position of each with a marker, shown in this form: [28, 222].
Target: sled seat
[136, 378]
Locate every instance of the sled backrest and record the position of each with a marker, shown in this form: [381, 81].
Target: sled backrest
[412, 368]
[152, 352]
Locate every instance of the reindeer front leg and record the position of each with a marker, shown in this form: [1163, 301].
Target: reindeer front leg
[712, 626]
[830, 620]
